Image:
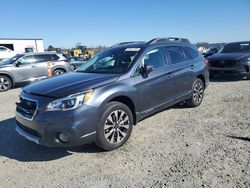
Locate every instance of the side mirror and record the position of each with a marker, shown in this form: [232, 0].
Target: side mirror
[17, 64]
[146, 70]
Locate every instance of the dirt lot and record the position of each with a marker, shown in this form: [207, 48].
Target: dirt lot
[208, 146]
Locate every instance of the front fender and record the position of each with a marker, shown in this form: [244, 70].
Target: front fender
[105, 94]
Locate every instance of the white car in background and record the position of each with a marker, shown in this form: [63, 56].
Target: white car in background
[6, 53]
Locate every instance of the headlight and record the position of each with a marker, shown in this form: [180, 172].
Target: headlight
[69, 103]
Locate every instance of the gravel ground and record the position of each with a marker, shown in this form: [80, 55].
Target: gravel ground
[208, 146]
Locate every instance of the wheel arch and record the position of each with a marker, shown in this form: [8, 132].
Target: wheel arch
[200, 76]
[128, 102]
[60, 68]
[9, 76]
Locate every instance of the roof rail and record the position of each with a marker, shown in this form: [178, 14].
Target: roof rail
[123, 43]
[168, 39]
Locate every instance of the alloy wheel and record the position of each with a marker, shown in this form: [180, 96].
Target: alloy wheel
[58, 72]
[116, 126]
[4, 83]
[198, 92]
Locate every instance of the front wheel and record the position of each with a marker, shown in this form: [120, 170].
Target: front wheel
[115, 126]
[197, 93]
[5, 83]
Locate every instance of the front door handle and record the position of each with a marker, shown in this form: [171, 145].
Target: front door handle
[192, 66]
[33, 66]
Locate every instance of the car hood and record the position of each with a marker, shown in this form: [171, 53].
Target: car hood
[3, 65]
[69, 83]
[229, 56]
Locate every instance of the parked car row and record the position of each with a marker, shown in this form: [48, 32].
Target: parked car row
[102, 100]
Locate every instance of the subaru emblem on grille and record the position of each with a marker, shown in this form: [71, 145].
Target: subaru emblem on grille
[223, 62]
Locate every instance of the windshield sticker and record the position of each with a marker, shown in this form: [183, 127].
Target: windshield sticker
[245, 44]
[132, 49]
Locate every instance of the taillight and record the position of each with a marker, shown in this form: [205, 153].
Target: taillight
[206, 61]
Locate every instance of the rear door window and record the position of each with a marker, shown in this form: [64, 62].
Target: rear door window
[176, 54]
[43, 58]
[191, 52]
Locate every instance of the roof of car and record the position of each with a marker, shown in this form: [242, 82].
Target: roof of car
[153, 42]
[239, 42]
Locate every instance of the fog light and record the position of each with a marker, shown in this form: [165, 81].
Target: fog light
[63, 138]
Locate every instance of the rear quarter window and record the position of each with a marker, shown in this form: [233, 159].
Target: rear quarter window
[54, 57]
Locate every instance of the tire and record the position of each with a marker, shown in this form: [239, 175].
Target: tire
[111, 134]
[58, 72]
[197, 93]
[5, 83]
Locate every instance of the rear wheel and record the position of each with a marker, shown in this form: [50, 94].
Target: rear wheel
[5, 83]
[58, 72]
[115, 126]
[197, 93]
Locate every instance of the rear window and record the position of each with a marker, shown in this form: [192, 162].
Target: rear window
[192, 53]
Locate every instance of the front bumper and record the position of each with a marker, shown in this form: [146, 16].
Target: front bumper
[44, 128]
[243, 69]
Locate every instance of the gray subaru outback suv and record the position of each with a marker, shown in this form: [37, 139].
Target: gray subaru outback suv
[30, 67]
[102, 100]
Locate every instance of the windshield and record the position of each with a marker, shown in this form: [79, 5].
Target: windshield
[236, 48]
[114, 61]
[11, 60]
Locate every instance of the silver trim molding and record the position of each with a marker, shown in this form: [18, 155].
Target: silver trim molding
[88, 134]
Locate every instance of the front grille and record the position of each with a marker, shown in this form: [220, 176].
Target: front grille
[224, 64]
[26, 107]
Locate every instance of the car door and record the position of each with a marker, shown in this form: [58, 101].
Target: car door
[41, 64]
[181, 70]
[24, 69]
[154, 90]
